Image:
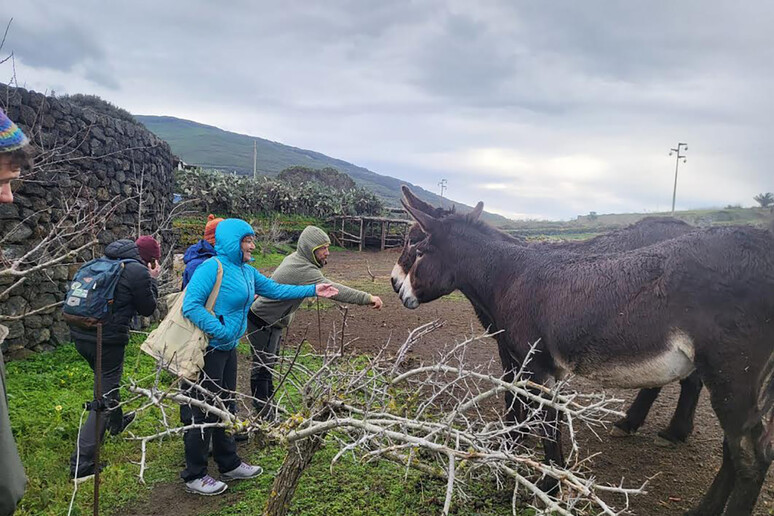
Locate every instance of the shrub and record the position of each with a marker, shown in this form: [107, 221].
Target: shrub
[234, 195]
[99, 105]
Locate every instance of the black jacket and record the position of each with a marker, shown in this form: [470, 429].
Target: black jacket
[135, 293]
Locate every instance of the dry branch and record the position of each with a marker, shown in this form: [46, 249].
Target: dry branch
[428, 418]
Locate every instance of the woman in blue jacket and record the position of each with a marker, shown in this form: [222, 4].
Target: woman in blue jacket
[240, 284]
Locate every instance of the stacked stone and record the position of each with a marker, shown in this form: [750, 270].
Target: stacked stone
[85, 157]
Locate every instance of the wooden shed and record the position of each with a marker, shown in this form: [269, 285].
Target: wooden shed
[370, 232]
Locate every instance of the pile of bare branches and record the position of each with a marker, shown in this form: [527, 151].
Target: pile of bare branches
[440, 419]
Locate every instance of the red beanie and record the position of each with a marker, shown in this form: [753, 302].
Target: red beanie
[209, 229]
[149, 248]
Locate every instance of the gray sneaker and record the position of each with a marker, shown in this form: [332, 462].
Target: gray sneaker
[206, 486]
[242, 472]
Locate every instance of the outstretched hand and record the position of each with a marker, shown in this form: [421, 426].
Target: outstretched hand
[376, 302]
[325, 290]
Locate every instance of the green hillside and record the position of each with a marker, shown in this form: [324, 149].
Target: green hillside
[210, 147]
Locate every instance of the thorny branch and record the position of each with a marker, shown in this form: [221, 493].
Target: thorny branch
[431, 418]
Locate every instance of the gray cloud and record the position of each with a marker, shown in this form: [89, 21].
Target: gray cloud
[538, 109]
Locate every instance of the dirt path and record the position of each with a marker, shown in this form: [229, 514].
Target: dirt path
[680, 474]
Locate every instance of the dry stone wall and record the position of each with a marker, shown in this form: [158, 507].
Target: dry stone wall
[90, 159]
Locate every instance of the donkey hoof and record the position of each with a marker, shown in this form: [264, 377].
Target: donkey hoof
[619, 432]
[666, 438]
[663, 442]
[548, 485]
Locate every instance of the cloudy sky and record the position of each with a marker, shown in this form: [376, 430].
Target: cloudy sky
[540, 109]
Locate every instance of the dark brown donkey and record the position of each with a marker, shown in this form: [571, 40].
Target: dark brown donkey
[640, 319]
[641, 234]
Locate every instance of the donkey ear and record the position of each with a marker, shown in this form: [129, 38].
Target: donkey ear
[415, 201]
[476, 213]
[425, 221]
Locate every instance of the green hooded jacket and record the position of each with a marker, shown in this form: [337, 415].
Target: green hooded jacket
[12, 477]
[302, 268]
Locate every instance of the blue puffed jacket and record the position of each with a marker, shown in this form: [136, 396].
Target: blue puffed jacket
[240, 284]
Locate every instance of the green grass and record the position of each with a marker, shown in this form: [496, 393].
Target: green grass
[46, 393]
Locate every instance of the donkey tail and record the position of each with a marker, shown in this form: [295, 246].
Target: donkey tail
[765, 412]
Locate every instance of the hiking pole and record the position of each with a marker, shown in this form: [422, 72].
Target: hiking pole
[319, 324]
[98, 415]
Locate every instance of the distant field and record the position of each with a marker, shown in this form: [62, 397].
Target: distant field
[586, 226]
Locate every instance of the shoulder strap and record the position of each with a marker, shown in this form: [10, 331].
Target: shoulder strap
[216, 289]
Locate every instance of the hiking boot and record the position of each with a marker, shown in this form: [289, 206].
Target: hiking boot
[127, 420]
[242, 472]
[206, 486]
[85, 474]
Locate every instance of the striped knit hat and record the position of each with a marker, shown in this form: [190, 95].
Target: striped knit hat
[11, 137]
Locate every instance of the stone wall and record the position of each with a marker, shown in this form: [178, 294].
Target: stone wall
[87, 158]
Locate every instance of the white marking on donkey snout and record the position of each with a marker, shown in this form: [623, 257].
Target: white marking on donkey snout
[398, 276]
[674, 363]
[407, 294]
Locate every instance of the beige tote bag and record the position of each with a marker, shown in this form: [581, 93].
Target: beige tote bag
[178, 344]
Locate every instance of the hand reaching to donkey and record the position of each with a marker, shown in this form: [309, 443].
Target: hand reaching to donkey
[325, 290]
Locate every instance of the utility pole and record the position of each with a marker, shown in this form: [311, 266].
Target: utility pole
[255, 160]
[442, 184]
[681, 147]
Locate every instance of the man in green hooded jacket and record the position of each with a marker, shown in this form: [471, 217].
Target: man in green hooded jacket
[268, 317]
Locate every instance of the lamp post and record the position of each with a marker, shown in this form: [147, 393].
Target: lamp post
[681, 147]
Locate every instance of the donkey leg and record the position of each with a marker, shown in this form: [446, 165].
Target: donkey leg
[636, 414]
[681, 425]
[715, 499]
[751, 465]
[734, 396]
[514, 407]
[552, 447]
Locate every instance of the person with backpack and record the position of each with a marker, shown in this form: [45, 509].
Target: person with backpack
[15, 158]
[112, 289]
[201, 250]
[267, 318]
[225, 326]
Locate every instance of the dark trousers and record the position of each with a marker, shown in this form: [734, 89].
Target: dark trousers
[265, 342]
[218, 377]
[112, 369]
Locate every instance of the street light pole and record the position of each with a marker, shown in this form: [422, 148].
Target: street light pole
[255, 160]
[680, 147]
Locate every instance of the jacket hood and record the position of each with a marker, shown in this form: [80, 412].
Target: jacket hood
[123, 249]
[228, 239]
[201, 249]
[311, 239]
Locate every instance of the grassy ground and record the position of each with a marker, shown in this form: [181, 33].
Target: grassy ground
[46, 393]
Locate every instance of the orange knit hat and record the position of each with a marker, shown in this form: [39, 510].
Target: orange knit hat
[209, 229]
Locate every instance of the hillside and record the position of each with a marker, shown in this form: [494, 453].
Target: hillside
[210, 147]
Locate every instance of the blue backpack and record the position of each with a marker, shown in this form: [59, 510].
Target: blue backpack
[89, 298]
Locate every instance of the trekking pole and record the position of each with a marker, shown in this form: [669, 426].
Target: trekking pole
[319, 324]
[98, 415]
